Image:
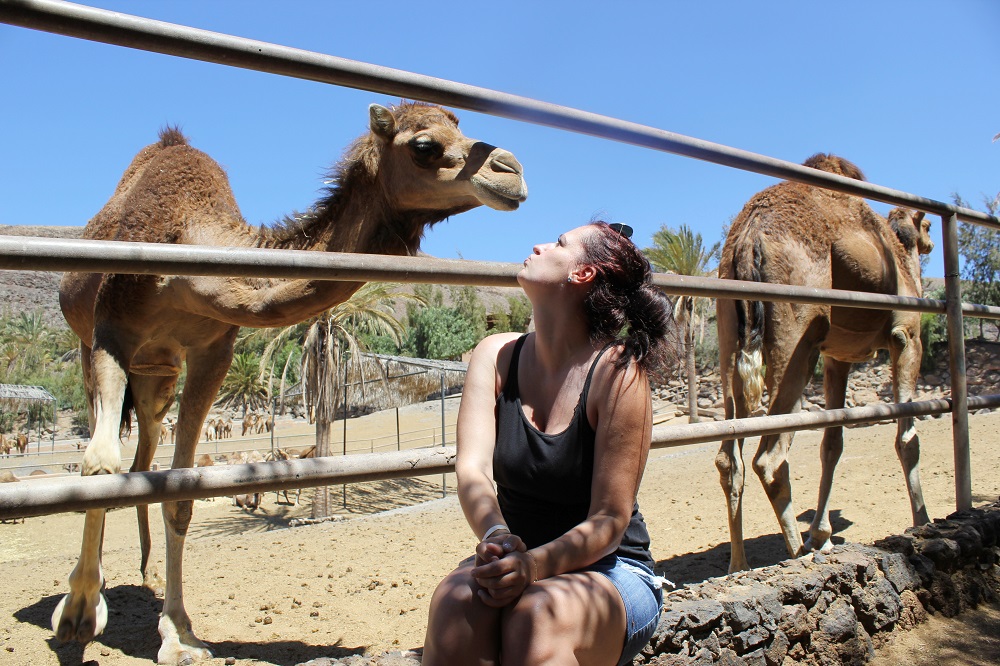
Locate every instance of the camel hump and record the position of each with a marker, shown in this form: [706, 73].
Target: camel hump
[834, 164]
[171, 135]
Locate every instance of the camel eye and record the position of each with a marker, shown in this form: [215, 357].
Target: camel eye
[425, 149]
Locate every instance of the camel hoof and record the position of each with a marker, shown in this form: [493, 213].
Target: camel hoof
[74, 619]
[182, 655]
[180, 647]
[155, 584]
[810, 547]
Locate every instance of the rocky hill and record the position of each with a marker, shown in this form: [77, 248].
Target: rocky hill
[29, 291]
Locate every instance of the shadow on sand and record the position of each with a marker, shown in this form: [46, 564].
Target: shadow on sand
[762, 551]
[132, 621]
[361, 499]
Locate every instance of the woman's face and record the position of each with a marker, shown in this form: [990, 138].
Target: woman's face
[556, 262]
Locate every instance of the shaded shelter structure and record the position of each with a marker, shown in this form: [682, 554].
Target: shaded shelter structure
[17, 397]
[384, 381]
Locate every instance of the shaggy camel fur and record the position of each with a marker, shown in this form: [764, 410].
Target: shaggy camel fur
[412, 169]
[800, 235]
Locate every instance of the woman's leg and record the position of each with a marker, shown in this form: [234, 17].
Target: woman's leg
[573, 619]
[460, 628]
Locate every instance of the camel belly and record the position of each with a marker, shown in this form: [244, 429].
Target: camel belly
[851, 345]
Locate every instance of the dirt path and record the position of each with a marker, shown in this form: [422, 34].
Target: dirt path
[264, 594]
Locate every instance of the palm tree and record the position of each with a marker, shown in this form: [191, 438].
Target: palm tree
[331, 350]
[682, 252]
[242, 387]
[29, 341]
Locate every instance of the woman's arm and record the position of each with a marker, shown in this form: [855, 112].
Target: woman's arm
[477, 433]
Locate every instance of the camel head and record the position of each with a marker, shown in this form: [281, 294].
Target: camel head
[912, 230]
[427, 164]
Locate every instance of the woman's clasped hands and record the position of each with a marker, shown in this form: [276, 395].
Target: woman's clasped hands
[503, 569]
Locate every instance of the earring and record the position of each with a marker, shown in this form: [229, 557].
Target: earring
[569, 279]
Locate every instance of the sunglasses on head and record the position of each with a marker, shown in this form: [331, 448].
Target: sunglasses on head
[623, 229]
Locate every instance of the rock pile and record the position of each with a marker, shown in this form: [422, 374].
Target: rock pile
[832, 608]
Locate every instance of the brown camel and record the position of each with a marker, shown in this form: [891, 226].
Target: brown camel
[800, 235]
[412, 169]
[250, 423]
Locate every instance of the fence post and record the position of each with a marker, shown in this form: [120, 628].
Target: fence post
[444, 477]
[956, 356]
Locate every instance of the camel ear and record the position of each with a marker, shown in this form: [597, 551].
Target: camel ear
[902, 225]
[381, 122]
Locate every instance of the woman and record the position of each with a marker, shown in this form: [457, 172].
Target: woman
[561, 420]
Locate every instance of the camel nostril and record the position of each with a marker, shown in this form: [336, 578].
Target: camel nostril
[506, 162]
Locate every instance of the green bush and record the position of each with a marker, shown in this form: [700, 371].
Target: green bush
[441, 333]
[933, 336]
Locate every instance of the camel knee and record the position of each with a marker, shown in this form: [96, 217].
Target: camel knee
[773, 476]
[730, 472]
[831, 450]
[177, 515]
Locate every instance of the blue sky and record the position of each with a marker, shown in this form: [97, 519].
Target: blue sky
[906, 90]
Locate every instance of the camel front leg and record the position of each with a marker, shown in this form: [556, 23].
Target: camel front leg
[109, 371]
[153, 396]
[83, 613]
[206, 370]
[835, 374]
[905, 349]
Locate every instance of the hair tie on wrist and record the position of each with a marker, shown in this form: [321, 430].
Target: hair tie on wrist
[495, 528]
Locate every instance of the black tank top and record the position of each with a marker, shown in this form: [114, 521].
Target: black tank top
[544, 481]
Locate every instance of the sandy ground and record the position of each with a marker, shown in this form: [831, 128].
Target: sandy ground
[262, 593]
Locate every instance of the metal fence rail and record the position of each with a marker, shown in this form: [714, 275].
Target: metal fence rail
[125, 30]
[54, 254]
[44, 496]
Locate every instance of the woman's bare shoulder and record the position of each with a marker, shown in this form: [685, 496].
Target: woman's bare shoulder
[493, 345]
[611, 373]
[493, 353]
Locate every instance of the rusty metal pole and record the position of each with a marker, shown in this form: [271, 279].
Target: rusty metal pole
[444, 477]
[956, 356]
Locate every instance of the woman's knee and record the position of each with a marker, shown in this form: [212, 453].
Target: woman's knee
[536, 620]
[453, 594]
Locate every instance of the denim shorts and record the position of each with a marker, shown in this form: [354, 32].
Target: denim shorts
[642, 593]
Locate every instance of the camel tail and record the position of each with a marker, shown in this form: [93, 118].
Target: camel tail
[750, 328]
[128, 404]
